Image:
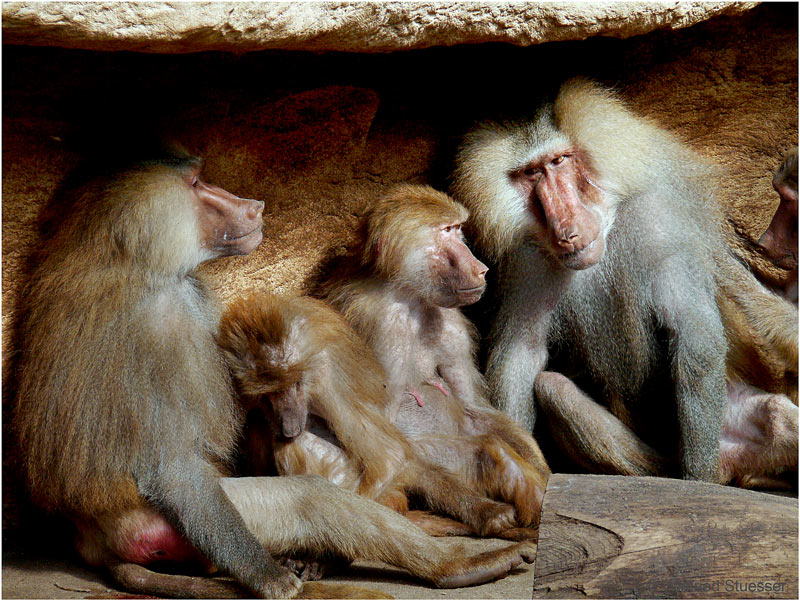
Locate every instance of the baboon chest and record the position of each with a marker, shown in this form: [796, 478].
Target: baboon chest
[606, 335]
[422, 400]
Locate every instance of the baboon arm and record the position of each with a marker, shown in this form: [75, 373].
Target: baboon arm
[445, 493]
[511, 371]
[492, 468]
[438, 525]
[590, 434]
[189, 494]
[698, 350]
[768, 314]
[520, 331]
[375, 451]
[311, 513]
[483, 419]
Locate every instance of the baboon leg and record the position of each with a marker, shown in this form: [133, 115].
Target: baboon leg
[310, 513]
[506, 476]
[759, 437]
[445, 493]
[438, 525]
[590, 434]
[489, 466]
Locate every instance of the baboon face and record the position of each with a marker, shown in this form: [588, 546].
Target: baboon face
[291, 408]
[563, 204]
[458, 277]
[780, 239]
[229, 225]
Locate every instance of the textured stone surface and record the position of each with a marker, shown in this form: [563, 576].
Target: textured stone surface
[350, 26]
[317, 136]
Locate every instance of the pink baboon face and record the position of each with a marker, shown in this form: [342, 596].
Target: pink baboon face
[459, 278]
[564, 205]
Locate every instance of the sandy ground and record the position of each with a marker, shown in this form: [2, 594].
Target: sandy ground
[59, 575]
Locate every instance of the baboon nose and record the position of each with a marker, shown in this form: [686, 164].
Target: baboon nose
[256, 208]
[569, 241]
[479, 269]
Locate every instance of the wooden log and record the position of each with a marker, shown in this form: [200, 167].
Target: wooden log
[618, 537]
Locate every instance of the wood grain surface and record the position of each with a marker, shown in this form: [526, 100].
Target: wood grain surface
[620, 537]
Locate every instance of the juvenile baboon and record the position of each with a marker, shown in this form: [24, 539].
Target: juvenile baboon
[297, 360]
[773, 258]
[780, 239]
[401, 291]
[610, 252]
[125, 414]
[759, 435]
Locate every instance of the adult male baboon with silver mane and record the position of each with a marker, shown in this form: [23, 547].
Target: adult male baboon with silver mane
[607, 236]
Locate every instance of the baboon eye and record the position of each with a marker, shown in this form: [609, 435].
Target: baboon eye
[533, 173]
[447, 228]
[559, 160]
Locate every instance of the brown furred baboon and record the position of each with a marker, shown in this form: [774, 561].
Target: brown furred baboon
[780, 239]
[760, 319]
[401, 291]
[773, 259]
[324, 395]
[125, 414]
[611, 256]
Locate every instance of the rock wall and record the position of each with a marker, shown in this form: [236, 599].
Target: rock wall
[350, 26]
[317, 135]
